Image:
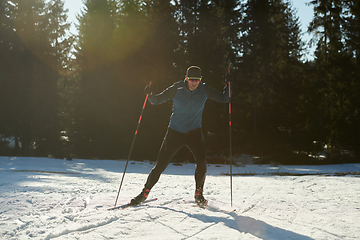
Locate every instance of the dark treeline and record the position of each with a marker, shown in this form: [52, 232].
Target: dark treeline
[82, 95]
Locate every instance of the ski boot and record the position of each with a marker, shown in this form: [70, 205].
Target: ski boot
[199, 198]
[140, 198]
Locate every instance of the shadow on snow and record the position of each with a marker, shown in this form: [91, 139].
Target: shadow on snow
[243, 224]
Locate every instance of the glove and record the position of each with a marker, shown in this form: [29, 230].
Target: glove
[148, 90]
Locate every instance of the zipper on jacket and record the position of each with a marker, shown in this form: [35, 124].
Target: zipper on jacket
[187, 123]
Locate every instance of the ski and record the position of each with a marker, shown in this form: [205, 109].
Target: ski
[215, 208]
[210, 207]
[204, 206]
[130, 205]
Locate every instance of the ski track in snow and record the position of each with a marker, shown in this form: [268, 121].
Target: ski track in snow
[55, 199]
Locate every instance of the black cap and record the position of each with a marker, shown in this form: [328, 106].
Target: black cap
[193, 71]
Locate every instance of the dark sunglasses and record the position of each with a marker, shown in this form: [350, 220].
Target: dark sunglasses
[193, 79]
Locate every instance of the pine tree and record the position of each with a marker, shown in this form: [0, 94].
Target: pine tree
[271, 51]
[6, 35]
[94, 105]
[352, 40]
[352, 27]
[25, 71]
[59, 48]
[333, 75]
[32, 83]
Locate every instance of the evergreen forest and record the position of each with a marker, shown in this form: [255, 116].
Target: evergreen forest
[80, 95]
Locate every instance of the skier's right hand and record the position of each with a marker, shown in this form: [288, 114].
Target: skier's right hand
[148, 90]
[229, 78]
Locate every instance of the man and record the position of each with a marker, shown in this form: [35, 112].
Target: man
[189, 97]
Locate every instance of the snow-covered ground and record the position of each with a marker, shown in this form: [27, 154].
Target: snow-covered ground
[44, 198]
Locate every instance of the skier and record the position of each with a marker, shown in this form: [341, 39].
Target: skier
[189, 97]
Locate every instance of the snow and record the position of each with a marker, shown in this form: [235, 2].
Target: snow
[43, 198]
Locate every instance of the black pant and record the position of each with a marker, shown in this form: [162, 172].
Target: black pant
[172, 143]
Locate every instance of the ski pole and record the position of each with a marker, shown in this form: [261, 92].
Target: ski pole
[132, 145]
[230, 142]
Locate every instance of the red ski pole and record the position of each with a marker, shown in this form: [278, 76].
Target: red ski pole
[230, 142]
[132, 145]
